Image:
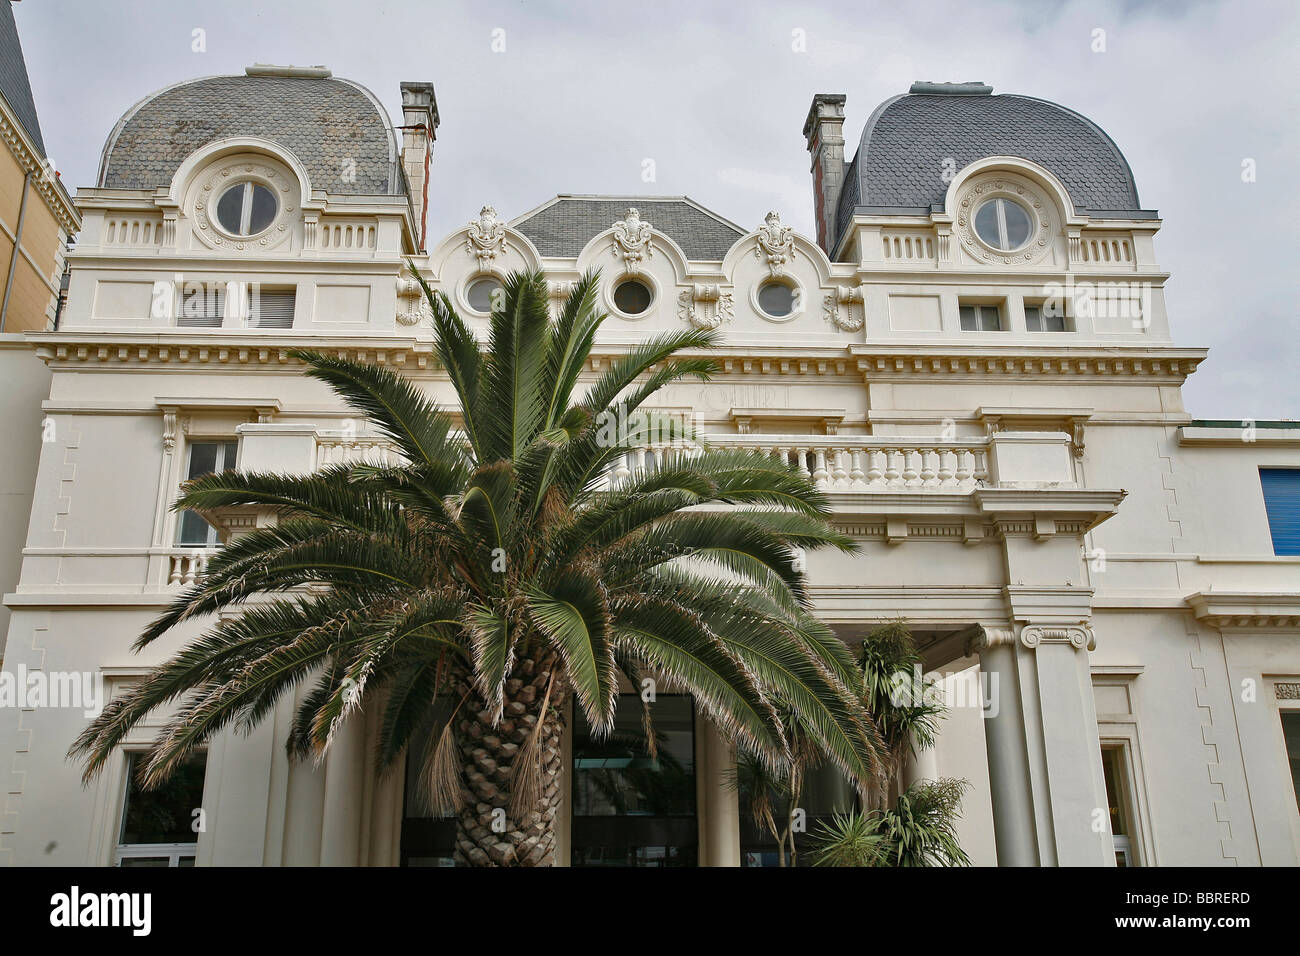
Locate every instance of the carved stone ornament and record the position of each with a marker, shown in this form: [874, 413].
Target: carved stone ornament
[845, 309]
[776, 243]
[169, 430]
[487, 237]
[1018, 190]
[1078, 636]
[704, 306]
[220, 176]
[632, 240]
[413, 308]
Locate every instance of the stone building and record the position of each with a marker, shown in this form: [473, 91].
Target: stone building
[972, 357]
[37, 219]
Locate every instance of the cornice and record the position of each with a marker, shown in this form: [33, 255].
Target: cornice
[1164, 364]
[1247, 610]
[30, 159]
[414, 353]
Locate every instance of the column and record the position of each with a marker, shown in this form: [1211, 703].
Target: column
[719, 808]
[1048, 794]
[1004, 736]
[340, 843]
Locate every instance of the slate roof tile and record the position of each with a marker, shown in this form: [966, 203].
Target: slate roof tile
[331, 126]
[564, 227]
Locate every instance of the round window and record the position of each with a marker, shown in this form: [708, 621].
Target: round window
[776, 299]
[245, 209]
[632, 297]
[1004, 224]
[481, 294]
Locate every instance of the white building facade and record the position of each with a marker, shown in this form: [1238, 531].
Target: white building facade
[972, 357]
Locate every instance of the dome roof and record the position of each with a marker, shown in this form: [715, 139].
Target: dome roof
[911, 139]
[329, 125]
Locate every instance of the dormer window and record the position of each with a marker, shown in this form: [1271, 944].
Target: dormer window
[1003, 224]
[246, 209]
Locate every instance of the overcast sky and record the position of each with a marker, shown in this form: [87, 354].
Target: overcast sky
[716, 93]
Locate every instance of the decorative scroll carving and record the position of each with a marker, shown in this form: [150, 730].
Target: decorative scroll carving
[775, 242]
[705, 306]
[169, 430]
[1079, 636]
[839, 309]
[487, 237]
[632, 240]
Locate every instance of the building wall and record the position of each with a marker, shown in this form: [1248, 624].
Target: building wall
[47, 223]
[1112, 554]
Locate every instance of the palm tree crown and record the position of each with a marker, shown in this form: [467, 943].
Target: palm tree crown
[500, 569]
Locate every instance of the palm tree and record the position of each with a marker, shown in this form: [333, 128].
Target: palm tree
[500, 570]
[920, 828]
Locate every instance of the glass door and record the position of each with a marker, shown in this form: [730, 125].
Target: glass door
[631, 808]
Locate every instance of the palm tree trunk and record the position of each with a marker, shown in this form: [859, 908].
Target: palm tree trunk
[487, 832]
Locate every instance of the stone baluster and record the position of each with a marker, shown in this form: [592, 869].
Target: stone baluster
[893, 477]
[911, 479]
[875, 473]
[839, 474]
[856, 474]
[820, 474]
[928, 475]
[945, 473]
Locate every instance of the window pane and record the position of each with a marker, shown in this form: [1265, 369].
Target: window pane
[1054, 323]
[230, 207]
[165, 814]
[1291, 731]
[776, 299]
[616, 776]
[632, 297]
[990, 320]
[1281, 487]
[480, 294]
[969, 319]
[203, 458]
[986, 224]
[146, 861]
[230, 450]
[1033, 318]
[194, 531]
[629, 808]
[263, 209]
[1019, 225]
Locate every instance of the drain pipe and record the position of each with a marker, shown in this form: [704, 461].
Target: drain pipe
[18, 244]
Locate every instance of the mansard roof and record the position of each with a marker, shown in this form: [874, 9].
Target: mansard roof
[910, 140]
[334, 127]
[14, 84]
[563, 226]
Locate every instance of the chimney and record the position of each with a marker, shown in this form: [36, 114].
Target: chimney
[419, 120]
[824, 131]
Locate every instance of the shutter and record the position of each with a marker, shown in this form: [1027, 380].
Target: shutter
[274, 310]
[1282, 503]
[203, 310]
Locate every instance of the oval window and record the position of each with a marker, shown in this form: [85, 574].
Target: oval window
[245, 209]
[632, 297]
[480, 295]
[776, 299]
[1004, 224]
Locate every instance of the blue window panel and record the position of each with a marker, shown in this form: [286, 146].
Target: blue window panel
[1282, 502]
